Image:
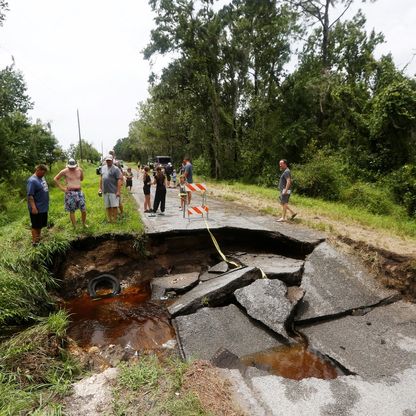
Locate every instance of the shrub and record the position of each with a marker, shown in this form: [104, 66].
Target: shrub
[201, 167]
[322, 176]
[403, 185]
[374, 199]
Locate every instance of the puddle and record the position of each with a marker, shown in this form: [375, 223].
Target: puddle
[129, 319]
[294, 361]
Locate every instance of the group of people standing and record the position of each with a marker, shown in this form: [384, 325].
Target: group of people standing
[111, 181]
[162, 179]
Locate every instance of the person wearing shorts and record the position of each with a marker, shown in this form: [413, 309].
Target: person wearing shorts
[129, 179]
[147, 181]
[38, 202]
[74, 197]
[111, 181]
[285, 184]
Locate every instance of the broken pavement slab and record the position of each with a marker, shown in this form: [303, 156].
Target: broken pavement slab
[221, 267]
[335, 283]
[266, 300]
[213, 292]
[374, 345]
[287, 269]
[177, 283]
[202, 334]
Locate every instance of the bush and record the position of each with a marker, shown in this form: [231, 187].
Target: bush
[322, 176]
[403, 185]
[201, 167]
[376, 200]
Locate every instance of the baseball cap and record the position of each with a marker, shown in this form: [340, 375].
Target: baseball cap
[72, 163]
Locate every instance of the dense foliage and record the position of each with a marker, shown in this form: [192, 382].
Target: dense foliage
[229, 100]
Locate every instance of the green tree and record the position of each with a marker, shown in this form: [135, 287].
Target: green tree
[13, 95]
[3, 8]
[89, 152]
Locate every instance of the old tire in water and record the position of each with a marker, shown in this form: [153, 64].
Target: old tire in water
[104, 280]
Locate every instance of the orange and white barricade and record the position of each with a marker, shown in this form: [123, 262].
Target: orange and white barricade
[197, 210]
[201, 209]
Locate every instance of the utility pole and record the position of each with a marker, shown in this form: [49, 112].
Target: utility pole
[79, 135]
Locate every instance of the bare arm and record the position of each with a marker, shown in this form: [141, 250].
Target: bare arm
[288, 185]
[57, 180]
[32, 204]
[119, 185]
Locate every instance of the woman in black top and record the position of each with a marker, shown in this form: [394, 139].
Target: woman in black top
[147, 181]
[160, 195]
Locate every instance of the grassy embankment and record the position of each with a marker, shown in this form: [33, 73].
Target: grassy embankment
[316, 213]
[34, 368]
[35, 371]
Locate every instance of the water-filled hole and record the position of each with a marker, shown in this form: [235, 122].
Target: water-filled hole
[129, 319]
[293, 361]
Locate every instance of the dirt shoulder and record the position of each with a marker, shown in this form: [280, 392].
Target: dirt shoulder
[391, 257]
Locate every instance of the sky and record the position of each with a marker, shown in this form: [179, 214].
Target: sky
[85, 55]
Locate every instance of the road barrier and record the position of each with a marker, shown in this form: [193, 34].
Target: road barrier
[197, 210]
[200, 209]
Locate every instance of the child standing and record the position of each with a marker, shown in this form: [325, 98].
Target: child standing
[129, 179]
[147, 181]
[174, 178]
[182, 192]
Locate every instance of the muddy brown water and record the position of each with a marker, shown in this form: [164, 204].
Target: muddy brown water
[129, 319]
[294, 361]
[134, 322]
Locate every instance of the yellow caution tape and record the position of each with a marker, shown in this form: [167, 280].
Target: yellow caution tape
[217, 246]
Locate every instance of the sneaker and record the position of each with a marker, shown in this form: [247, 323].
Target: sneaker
[161, 213]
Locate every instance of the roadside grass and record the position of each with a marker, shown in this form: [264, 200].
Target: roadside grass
[35, 371]
[152, 387]
[397, 223]
[24, 277]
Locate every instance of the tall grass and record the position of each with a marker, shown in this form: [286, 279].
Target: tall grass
[24, 276]
[397, 222]
[35, 370]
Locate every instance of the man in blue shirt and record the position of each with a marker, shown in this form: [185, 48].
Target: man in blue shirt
[38, 202]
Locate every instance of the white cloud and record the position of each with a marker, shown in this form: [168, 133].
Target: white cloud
[85, 54]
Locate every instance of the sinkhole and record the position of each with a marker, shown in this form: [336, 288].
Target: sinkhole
[162, 270]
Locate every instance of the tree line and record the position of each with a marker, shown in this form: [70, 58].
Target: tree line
[255, 81]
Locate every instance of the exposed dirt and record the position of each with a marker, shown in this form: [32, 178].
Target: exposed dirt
[213, 391]
[391, 257]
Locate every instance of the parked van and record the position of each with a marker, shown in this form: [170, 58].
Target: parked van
[162, 161]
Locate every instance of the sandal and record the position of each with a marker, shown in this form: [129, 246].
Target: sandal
[293, 216]
[281, 220]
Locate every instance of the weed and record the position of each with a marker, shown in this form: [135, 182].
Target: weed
[145, 373]
[188, 405]
[205, 301]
